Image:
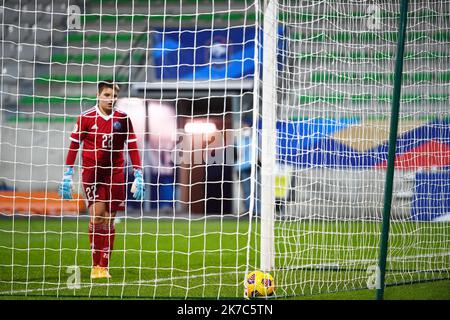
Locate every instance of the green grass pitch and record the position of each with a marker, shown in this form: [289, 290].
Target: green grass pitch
[207, 258]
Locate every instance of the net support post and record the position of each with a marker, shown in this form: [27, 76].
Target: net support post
[392, 148]
[268, 136]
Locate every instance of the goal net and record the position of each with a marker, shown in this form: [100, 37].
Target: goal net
[333, 95]
[185, 69]
[262, 128]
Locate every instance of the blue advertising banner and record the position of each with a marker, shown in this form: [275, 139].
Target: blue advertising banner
[431, 195]
[204, 54]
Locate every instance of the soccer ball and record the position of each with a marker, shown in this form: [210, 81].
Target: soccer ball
[259, 284]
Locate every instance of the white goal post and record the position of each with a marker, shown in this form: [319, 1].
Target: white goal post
[262, 127]
[268, 135]
[327, 79]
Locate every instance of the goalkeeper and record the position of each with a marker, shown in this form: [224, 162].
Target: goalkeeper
[103, 132]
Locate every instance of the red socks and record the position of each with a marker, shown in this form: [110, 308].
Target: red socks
[95, 240]
[101, 238]
[109, 233]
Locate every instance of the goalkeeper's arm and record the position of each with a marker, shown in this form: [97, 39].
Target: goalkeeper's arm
[138, 187]
[65, 187]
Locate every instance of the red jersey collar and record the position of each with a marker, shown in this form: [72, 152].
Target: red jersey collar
[101, 114]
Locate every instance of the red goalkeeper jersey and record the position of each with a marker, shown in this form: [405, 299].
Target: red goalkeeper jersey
[104, 139]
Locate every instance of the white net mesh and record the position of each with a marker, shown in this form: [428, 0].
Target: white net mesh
[334, 94]
[184, 70]
[190, 86]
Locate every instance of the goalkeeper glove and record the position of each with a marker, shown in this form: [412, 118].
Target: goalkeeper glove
[65, 188]
[138, 187]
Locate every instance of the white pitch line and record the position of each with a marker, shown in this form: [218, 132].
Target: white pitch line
[92, 284]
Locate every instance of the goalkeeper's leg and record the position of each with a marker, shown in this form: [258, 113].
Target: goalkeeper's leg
[94, 188]
[116, 196]
[108, 240]
[99, 238]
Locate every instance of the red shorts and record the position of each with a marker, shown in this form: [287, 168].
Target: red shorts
[105, 185]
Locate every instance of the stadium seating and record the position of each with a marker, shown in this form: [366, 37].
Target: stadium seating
[378, 77]
[368, 36]
[55, 100]
[308, 17]
[358, 98]
[169, 18]
[71, 63]
[374, 56]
